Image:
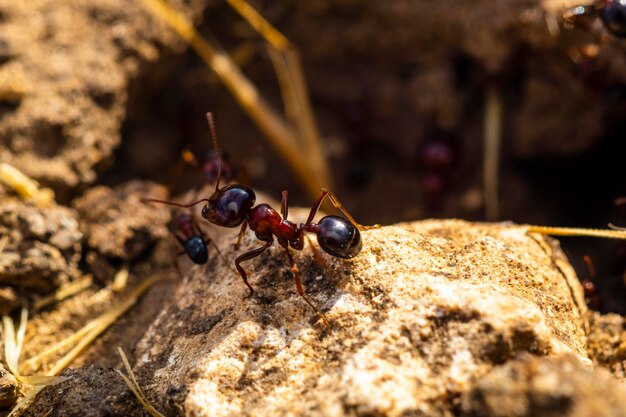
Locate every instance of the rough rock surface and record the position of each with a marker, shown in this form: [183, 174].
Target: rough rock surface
[547, 387]
[425, 311]
[41, 246]
[118, 225]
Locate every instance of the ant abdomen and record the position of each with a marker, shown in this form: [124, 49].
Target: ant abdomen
[338, 237]
[197, 250]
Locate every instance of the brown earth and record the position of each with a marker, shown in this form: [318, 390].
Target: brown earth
[386, 80]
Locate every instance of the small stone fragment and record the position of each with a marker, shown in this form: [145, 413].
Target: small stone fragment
[9, 300]
[9, 388]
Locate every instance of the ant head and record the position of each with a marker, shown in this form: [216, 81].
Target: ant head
[208, 210]
[229, 206]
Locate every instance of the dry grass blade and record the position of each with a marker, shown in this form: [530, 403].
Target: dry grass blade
[64, 292]
[13, 342]
[133, 385]
[573, 231]
[10, 345]
[246, 94]
[25, 402]
[100, 324]
[24, 186]
[492, 138]
[262, 26]
[288, 67]
[84, 337]
[121, 279]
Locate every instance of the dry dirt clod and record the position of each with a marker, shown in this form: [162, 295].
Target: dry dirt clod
[425, 311]
[89, 391]
[41, 246]
[117, 225]
[607, 342]
[64, 74]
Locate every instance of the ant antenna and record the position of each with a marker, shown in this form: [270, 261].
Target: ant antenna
[216, 145]
[171, 203]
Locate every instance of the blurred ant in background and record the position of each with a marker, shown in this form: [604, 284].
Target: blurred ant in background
[592, 298]
[233, 206]
[436, 159]
[595, 70]
[611, 12]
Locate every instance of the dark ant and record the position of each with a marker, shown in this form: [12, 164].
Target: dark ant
[611, 12]
[191, 238]
[436, 162]
[233, 206]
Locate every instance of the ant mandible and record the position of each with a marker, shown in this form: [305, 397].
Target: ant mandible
[233, 206]
[611, 12]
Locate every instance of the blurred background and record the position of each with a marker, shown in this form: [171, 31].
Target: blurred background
[489, 110]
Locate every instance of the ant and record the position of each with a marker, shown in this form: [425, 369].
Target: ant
[592, 298]
[233, 206]
[210, 165]
[192, 240]
[611, 12]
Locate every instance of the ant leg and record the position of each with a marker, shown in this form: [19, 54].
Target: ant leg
[573, 14]
[298, 280]
[319, 259]
[242, 232]
[247, 256]
[284, 208]
[333, 199]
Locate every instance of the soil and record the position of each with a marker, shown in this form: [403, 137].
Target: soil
[98, 99]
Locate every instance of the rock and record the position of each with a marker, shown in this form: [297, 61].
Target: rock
[426, 311]
[42, 247]
[9, 388]
[558, 387]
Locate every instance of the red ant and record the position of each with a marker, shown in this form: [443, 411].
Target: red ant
[592, 298]
[233, 206]
[611, 12]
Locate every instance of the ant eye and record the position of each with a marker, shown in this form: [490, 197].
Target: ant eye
[614, 17]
